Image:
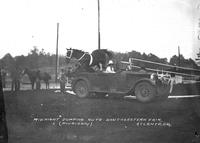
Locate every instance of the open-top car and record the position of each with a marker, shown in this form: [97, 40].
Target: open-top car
[126, 83]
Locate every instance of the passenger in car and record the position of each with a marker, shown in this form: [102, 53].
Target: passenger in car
[110, 67]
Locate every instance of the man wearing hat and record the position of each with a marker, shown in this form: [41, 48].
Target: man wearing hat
[110, 67]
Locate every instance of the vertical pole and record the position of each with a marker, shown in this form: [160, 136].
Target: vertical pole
[3, 124]
[99, 37]
[56, 77]
[179, 57]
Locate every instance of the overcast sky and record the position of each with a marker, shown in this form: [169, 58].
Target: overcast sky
[150, 26]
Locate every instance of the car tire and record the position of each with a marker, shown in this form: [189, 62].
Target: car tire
[145, 91]
[81, 89]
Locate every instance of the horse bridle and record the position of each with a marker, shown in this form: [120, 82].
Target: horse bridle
[91, 58]
[71, 52]
[82, 56]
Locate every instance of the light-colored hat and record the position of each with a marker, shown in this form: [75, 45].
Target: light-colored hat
[110, 62]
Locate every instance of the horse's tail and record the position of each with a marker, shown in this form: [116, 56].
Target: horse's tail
[109, 53]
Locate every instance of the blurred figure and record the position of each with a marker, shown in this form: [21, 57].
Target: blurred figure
[68, 76]
[142, 69]
[154, 76]
[130, 66]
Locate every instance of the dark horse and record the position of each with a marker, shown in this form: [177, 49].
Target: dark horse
[97, 58]
[33, 75]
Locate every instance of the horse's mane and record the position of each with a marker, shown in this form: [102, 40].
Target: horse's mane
[77, 50]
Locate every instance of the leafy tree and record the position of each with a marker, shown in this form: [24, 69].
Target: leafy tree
[33, 58]
[20, 61]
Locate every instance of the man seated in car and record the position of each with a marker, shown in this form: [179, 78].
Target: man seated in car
[110, 67]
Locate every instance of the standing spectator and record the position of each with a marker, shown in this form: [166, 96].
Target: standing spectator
[3, 75]
[15, 76]
[67, 76]
[172, 81]
[38, 84]
[62, 80]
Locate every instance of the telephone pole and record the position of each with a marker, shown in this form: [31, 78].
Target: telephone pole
[179, 57]
[99, 35]
[56, 77]
[198, 58]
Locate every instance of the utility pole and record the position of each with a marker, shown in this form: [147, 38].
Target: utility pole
[179, 57]
[99, 37]
[56, 77]
[198, 58]
[198, 55]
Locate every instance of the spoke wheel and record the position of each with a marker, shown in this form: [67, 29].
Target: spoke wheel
[144, 91]
[81, 89]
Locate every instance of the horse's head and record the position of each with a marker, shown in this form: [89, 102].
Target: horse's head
[73, 53]
[69, 53]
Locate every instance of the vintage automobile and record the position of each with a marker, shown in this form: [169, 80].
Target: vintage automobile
[125, 82]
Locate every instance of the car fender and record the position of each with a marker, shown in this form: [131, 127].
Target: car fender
[152, 82]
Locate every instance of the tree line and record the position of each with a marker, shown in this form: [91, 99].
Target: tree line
[34, 60]
[174, 60]
[39, 58]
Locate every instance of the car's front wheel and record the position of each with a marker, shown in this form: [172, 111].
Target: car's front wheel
[81, 89]
[144, 91]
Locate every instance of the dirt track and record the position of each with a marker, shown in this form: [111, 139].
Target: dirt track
[46, 116]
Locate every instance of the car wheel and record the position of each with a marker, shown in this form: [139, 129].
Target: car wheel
[145, 91]
[81, 89]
